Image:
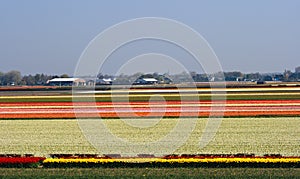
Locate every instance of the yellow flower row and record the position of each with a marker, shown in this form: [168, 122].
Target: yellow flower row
[187, 160]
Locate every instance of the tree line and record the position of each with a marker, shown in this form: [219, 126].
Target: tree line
[286, 76]
[16, 78]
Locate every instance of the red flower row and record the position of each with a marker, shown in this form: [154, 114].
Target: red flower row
[20, 160]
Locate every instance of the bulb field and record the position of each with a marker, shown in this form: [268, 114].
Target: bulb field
[260, 122]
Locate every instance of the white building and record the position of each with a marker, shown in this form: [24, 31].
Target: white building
[104, 81]
[146, 81]
[66, 82]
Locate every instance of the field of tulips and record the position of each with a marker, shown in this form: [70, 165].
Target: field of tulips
[173, 108]
[243, 102]
[268, 135]
[257, 120]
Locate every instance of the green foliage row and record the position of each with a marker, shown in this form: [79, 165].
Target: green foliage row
[20, 165]
[150, 172]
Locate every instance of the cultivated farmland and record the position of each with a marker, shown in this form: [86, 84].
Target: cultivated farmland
[256, 120]
[236, 135]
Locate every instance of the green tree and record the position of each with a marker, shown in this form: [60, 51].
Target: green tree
[1, 78]
[28, 80]
[232, 76]
[12, 77]
[64, 76]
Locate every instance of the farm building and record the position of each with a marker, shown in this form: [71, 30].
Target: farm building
[104, 81]
[66, 82]
[146, 81]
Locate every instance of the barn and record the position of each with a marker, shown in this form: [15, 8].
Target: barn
[66, 82]
[146, 81]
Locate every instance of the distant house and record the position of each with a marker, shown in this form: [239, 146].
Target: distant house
[166, 80]
[66, 82]
[90, 82]
[146, 81]
[104, 81]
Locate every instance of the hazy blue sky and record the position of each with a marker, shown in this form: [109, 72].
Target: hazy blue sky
[248, 35]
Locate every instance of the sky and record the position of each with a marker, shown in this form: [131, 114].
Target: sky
[49, 36]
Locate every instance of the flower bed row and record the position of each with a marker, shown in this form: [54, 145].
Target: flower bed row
[235, 108]
[27, 162]
[173, 156]
[144, 160]
[199, 102]
[147, 114]
[183, 162]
